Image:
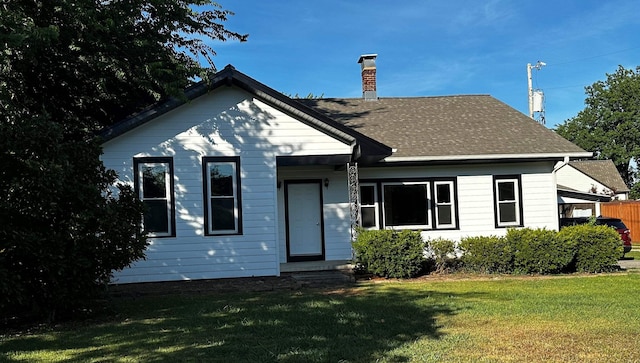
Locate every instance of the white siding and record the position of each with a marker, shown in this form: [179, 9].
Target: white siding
[475, 194]
[227, 122]
[539, 196]
[568, 176]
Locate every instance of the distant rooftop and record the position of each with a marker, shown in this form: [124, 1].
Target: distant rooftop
[604, 172]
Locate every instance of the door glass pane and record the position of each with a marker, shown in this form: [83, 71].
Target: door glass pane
[368, 215]
[507, 212]
[154, 181]
[405, 205]
[222, 214]
[155, 218]
[444, 214]
[443, 193]
[221, 179]
[506, 191]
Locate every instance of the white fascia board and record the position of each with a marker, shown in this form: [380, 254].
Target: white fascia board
[395, 159]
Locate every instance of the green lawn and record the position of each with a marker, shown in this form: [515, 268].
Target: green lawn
[461, 319]
[634, 254]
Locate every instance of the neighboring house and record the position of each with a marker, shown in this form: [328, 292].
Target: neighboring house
[584, 184]
[240, 180]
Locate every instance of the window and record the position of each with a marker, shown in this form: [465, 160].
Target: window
[443, 202]
[508, 201]
[153, 181]
[409, 204]
[221, 177]
[406, 205]
[368, 206]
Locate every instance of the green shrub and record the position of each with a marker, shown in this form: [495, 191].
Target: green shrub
[390, 253]
[443, 253]
[597, 248]
[538, 251]
[486, 254]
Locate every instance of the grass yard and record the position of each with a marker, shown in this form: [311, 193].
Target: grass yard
[633, 254]
[461, 319]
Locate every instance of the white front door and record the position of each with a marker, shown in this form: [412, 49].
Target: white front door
[304, 220]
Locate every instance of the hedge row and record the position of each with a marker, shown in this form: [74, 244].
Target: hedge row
[581, 248]
[389, 253]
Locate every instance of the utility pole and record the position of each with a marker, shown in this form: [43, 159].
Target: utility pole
[537, 66]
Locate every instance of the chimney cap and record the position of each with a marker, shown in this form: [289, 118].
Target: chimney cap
[366, 56]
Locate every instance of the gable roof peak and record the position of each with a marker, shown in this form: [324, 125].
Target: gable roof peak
[368, 149]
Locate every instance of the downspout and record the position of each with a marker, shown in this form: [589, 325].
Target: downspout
[560, 164]
[557, 167]
[356, 152]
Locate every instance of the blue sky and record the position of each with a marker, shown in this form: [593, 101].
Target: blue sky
[433, 48]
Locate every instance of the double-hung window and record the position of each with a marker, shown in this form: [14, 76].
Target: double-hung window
[508, 201]
[444, 204]
[221, 176]
[153, 181]
[369, 206]
[406, 205]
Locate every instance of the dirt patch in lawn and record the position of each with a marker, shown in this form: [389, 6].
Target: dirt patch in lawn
[288, 281]
[332, 281]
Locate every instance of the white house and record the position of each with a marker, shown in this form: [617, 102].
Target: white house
[584, 184]
[240, 180]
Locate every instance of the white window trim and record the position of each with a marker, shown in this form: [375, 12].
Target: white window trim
[375, 205]
[429, 209]
[208, 163]
[437, 204]
[517, 196]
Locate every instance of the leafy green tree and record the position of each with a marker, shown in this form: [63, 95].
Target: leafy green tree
[635, 191]
[609, 125]
[67, 69]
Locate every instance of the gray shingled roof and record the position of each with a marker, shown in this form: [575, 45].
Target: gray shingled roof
[602, 171]
[469, 125]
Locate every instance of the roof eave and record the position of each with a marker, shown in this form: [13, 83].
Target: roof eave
[483, 158]
[572, 193]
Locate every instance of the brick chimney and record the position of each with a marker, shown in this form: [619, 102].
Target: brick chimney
[368, 65]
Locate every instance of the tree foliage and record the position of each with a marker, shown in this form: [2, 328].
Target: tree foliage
[104, 59]
[609, 125]
[67, 69]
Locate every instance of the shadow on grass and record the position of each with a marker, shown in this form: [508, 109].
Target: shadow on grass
[361, 324]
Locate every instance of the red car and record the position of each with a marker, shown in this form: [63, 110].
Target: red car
[617, 223]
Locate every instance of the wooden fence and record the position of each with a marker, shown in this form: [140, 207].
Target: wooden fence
[628, 211]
